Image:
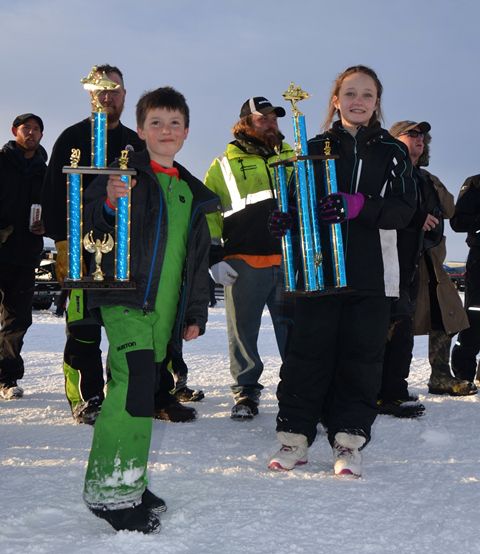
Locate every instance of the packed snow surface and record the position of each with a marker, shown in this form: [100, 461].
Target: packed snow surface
[419, 492]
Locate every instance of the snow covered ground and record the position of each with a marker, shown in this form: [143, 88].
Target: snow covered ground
[420, 490]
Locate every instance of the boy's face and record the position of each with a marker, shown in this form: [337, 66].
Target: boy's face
[164, 132]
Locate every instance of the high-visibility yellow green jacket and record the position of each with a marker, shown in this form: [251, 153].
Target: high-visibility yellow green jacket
[245, 184]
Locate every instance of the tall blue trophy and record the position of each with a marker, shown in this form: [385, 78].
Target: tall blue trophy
[78, 242]
[311, 261]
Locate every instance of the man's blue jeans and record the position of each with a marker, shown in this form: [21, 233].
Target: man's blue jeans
[245, 301]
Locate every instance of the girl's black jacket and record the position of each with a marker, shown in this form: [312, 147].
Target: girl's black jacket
[377, 165]
[148, 241]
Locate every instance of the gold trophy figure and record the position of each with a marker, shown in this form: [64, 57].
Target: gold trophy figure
[97, 83]
[98, 247]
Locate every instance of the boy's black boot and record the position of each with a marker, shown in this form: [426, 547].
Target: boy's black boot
[139, 519]
[153, 502]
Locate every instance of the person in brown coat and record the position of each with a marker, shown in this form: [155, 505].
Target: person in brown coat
[429, 302]
[439, 310]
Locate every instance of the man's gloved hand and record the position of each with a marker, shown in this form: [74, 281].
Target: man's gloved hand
[223, 273]
[279, 223]
[37, 227]
[61, 264]
[5, 233]
[340, 206]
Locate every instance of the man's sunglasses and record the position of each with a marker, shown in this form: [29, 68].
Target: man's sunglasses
[413, 133]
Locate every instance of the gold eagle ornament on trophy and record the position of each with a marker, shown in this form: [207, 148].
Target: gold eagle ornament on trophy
[98, 247]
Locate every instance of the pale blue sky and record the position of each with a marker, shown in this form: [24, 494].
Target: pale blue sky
[218, 53]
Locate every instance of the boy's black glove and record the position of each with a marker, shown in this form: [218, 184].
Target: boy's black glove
[279, 223]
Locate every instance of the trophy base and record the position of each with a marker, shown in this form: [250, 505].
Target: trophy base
[84, 170]
[106, 284]
[327, 291]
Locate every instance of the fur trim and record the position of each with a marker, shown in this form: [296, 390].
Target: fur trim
[348, 440]
[292, 439]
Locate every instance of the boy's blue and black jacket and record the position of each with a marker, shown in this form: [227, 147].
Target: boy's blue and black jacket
[148, 241]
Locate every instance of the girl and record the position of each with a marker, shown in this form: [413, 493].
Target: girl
[334, 367]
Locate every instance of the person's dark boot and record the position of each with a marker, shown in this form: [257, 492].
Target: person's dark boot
[453, 386]
[244, 409]
[10, 391]
[401, 408]
[186, 394]
[87, 412]
[168, 408]
[153, 502]
[138, 518]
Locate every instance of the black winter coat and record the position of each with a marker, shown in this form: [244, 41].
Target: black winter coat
[20, 187]
[148, 246]
[467, 211]
[54, 194]
[412, 241]
[377, 165]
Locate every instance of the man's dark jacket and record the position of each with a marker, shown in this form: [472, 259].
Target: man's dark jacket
[467, 211]
[20, 187]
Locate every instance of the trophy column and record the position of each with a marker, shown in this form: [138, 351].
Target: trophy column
[306, 192]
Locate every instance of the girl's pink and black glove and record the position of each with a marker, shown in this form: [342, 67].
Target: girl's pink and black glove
[340, 206]
[279, 223]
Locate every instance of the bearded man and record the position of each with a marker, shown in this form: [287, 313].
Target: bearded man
[82, 361]
[245, 257]
[22, 167]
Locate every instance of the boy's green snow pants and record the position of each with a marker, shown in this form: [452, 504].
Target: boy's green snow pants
[117, 468]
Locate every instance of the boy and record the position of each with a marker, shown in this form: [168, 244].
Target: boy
[169, 264]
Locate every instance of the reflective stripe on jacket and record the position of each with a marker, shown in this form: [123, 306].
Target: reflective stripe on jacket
[245, 184]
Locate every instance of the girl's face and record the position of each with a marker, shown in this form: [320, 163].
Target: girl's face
[357, 100]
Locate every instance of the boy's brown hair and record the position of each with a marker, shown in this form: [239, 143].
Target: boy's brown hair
[164, 97]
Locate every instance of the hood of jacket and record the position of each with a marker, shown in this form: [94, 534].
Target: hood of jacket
[253, 145]
[27, 165]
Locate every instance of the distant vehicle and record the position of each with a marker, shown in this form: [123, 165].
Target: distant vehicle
[456, 272]
[47, 288]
